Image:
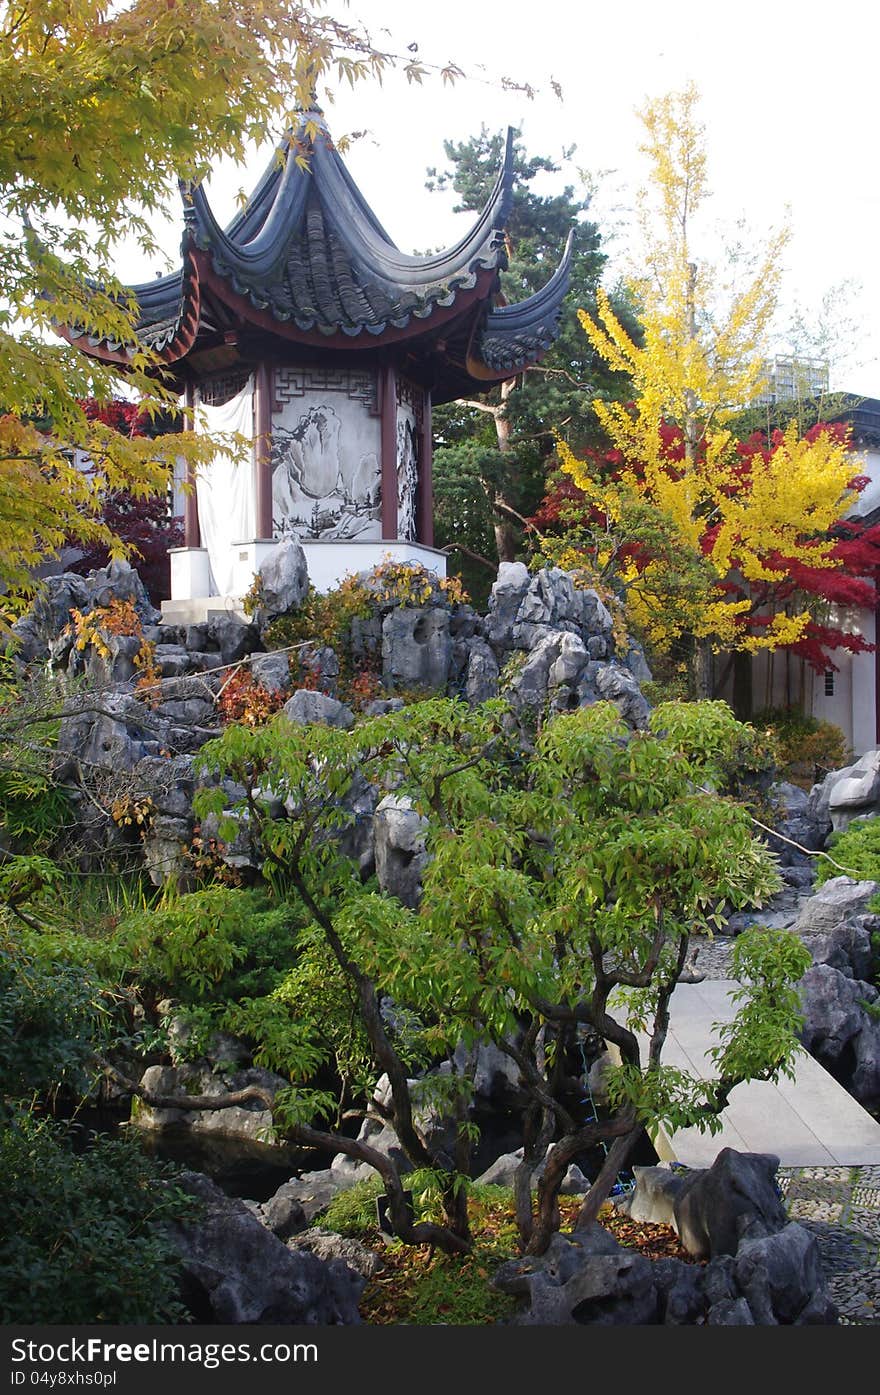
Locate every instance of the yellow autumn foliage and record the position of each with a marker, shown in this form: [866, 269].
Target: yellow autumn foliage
[700, 361]
[102, 109]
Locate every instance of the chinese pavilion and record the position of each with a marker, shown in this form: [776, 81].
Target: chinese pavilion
[302, 327]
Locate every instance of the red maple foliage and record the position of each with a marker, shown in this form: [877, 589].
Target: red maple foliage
[146, 523]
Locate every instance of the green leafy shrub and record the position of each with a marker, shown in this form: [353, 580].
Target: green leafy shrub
[81, 1237]
[219, 942]
[806, 748]
[734, 758]
[308, 1023]
[857, 849]
[50, 1015]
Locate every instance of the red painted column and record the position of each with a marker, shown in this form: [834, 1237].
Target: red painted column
[388, 390]
[425, 501]
[192, 534]
[263, 452]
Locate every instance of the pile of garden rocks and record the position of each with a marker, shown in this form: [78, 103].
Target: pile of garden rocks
[546, 643]
[760, 1269]
[841, 1006]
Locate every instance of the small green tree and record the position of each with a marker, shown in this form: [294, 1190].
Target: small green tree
[562, 884]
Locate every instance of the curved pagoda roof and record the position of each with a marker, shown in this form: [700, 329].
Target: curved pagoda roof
[307, 263]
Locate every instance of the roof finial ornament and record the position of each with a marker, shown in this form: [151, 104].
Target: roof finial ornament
[310, 106]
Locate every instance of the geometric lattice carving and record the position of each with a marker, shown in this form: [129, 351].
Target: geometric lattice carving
[213, 392]
[357, 383]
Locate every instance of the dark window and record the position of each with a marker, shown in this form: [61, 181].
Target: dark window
[829, 682]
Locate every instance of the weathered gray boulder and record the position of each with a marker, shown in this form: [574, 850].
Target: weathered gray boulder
[47, 617]
[494, 1075]
[399, 834]
[236, 1271]
[284, 581]
[654, 1196]
[284, 1213]
[49, 614]
[306, 707]
[835, 902]
[849, 793]
[781, 1277]
[502, 1172]
[847, 948]
[173, 660]
[355, 834]
[734, 1199]
[108, 732]
[233, 637]
[168, 782]
[680, 1296]
[797, 829]
[115, 663]
[730, 1312]
[635, 661]
[271, 671]
[840, 1030]
[550, 600]
[481, 681]
[617, 684]
[321, 663]
[188, 701]
[416, 648]
[315, 1190]
[582, 1280]
[504, 602]
[529, 687]
[327, 1245]
[251, 1121]
[568, 667]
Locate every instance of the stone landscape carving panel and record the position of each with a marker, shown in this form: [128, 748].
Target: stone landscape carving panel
[326, 442]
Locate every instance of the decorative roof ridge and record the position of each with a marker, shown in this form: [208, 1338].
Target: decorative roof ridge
[381, 258]
[278, 204]
[262, 254]
[522, 313]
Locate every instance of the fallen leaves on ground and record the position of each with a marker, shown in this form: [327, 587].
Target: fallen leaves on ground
[421, 1286]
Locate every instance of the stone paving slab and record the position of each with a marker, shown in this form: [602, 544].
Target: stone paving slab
[810, 1121]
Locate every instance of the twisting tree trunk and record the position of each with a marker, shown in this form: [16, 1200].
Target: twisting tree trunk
[498, 491]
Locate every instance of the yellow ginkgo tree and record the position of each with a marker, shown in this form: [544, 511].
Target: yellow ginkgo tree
[695, 522]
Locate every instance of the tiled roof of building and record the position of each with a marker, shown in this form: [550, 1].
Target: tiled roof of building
[307, 260]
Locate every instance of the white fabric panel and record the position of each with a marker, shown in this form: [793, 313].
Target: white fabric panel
[225, 487]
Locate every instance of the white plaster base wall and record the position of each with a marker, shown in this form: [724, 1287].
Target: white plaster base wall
[247, 558]
[330, 562]
[190, 573]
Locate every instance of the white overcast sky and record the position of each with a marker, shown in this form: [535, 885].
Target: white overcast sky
[790, 101]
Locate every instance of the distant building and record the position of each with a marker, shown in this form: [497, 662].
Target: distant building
[793, 380]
